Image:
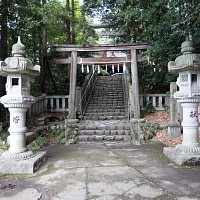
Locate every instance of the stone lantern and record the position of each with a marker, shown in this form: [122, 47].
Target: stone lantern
[18, 69]
[187, 66]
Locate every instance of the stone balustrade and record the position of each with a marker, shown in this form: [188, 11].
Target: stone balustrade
[158, 101]
[44, 103]
[59, 103]
[85, 92]
[38, 107]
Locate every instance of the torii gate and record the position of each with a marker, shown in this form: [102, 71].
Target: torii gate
[74, 60]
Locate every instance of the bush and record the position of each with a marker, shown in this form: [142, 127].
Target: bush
[149, 107]
[149, 130]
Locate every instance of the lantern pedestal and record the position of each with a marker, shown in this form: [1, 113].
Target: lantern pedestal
[24, 166]
[187, 153]
[180, 157]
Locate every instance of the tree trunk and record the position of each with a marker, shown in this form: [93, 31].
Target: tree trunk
[43, 43]
[3, 41]
[68, 31]
[68, 37]
[73, 22]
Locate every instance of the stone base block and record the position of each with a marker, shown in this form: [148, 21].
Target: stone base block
[72, 121]
[174, 131]
[134, 121]
[182, 158]
[127, 138]
[28, 166]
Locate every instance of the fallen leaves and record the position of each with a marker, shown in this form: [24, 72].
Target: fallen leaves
[161, 136]
[163, 119]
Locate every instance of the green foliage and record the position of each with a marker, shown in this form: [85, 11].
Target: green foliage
[3, 140]
[4, 135]
[71, 131]
[153, 79]
[149, 130]
[41, 24]
[60, 137]
[149, 108]
[161, 23]
[103, 72]
[46, 136]
[40, 141]
[80, 76]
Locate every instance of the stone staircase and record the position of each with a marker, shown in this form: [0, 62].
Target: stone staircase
[105, 118]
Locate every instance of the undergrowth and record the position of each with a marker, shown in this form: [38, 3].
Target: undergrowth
[149, 130]
[48, 137]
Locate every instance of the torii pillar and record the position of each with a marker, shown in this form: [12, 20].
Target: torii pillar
[135, 84]
[72, 91]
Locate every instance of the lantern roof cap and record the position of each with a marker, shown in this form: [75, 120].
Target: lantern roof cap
[187, 46]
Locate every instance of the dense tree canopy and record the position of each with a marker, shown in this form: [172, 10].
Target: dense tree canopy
[161, 23]
[41, 23]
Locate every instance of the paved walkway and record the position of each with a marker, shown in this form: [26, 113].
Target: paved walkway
[104, 171]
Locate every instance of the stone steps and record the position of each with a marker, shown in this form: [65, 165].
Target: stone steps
[99, 107]
[110, 96]
[93, 138]
[109, 90]
[104, 132]
[105, 113]
[105, 118]
[102, 109]
[108, 130]
[118, 126]
[107, 97]
[109, 102]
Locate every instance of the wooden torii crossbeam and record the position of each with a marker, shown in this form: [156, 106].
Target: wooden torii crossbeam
[74, 60]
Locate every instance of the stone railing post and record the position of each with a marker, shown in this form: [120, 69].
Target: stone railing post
[78, 100]
[174, 128]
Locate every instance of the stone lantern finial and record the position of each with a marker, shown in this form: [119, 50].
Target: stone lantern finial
[18, 49]
[187, 46]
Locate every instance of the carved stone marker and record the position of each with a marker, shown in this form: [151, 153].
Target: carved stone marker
[174, 128]
[18, 70]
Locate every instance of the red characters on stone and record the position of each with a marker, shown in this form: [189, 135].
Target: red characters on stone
[16, 119]
[193, 114]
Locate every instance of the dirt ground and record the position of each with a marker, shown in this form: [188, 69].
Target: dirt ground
[162, 118]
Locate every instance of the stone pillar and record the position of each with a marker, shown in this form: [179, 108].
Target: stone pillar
[113, 69]
[174, 128]
[72, 94]
[17, 130]
[190, 124]
[135, 85]
[98, 69]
